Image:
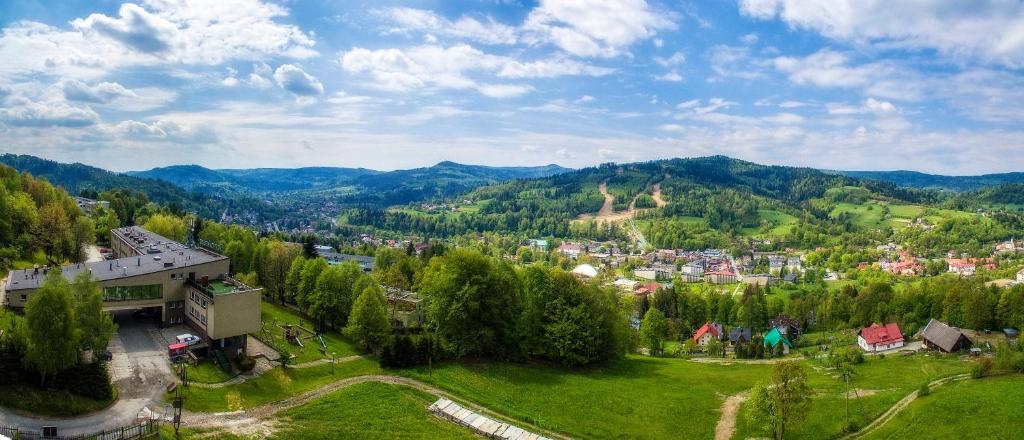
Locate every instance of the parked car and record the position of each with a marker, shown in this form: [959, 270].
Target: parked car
[106, 355]
[187, 339]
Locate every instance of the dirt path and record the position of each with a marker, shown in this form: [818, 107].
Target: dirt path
[727, 422]
[609, 201]
[900, 406]
[656, 195]
[257, 420]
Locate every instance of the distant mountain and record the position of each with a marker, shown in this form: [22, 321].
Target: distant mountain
[914, 179]
[195, 177]
[369, 186]
[76, 177]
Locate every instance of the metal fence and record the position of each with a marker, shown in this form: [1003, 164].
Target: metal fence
[147, 429]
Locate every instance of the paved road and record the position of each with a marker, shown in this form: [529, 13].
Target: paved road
[92, 254]
[138, 369]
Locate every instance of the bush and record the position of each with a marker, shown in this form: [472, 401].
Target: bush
[403, 351]
[924, 390]
[86, 380]
[246, 363]
[981, 368]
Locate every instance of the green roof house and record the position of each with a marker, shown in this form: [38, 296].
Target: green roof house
[774, 338]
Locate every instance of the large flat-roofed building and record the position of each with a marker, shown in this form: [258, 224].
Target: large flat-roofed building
[189, 285]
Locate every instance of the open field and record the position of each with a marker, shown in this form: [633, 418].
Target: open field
[274, 385]
[879, 382]
[273, 314]
[638, 397]
[979, 409]
[370, 411]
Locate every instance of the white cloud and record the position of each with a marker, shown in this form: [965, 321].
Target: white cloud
[168, 131]
[585, 99]
[455, 67]
[990, 30]
[670, 76]
[153, 33]
[734, 61]
[676, 59]
[750, 38]
[829, 68]
[593, 28]
[293, 79]
[488, 31]
[869, 106]
[100, 93]
[22, 112]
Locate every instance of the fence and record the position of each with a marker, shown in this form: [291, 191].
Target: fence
[147, 429]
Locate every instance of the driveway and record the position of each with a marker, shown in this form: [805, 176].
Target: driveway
[92, 253]
[138, 368]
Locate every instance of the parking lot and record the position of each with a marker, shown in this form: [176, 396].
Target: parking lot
[139, 364]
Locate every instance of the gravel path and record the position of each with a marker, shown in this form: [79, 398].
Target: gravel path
[257, 419]
[900, 406]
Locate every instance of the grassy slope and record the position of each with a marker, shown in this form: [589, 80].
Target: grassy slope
[273, 313]
[989, 408]
[890, 379]
[370, 411]
[275, 385]
[638, 397]
[52, 403]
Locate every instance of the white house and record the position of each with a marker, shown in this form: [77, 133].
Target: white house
[647, 273]
[625, 284]
[880, 338]
[585, 271]
[1020, 276]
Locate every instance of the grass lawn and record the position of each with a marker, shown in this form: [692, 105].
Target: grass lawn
[274, 385]
[868, 215]
[908, 212]
[370, 411]
[50, 403]
[638, 397]
[272, 313]
[880, 383]
[207, 371]
[987, 408]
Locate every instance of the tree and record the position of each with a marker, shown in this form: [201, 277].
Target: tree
[368, 322]
[54, 234]
[473, 303]
[50, 328]
[311, 270]
[782, 402]
[652, 331]
[168, 225]
[95, 327]
[106, 220]
[309, 246]
[293, 279]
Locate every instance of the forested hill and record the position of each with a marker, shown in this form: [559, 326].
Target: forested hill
[195, 177]
[77, 177]
[729, 194]
[914, 179]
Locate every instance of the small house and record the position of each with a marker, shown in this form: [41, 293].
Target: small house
[739, 335]
[1020, 276]
[939, 336]
[880, 337]
[707, 333]
[775, 338]
[585, 272]
[626, 284]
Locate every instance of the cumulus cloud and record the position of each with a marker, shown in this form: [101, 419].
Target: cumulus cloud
[134, 27]
[22, 112]
[100, 93]
[829, 68]
[168, 131]
[990, 30]
[593, 28]
[455, 67]
[869, 106]
[293, 79]
[153, 33]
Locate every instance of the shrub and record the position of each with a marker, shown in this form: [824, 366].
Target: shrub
[924, 390]
[246, 363]
[981, 368]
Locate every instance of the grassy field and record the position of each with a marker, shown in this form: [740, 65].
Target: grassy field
[370, 411]
[273, 314]
[867, 215]
[274, 385]
[639, 397]
[880, 383]
[52, 403]
[989, 408]
[206, 371]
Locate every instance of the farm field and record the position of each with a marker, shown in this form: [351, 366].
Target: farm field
[638, 397]
[986, 408]
[273, 314]
[879, 383]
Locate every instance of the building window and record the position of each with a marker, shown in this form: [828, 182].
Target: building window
[131, 293]
[24, 297]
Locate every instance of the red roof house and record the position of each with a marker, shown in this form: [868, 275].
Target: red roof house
[707, 332]
[880, 337]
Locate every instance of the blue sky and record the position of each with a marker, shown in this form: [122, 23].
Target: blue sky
[930, 85]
